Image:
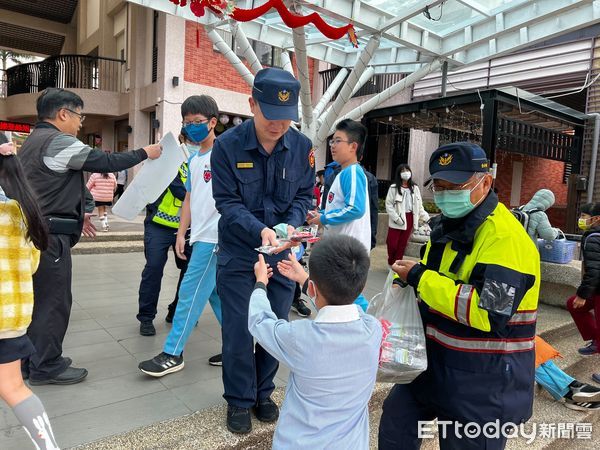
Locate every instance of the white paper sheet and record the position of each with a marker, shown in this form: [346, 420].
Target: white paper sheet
[152, 179]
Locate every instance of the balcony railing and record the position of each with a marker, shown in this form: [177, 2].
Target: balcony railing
[68, 72]
[2, 83]
[378, 83]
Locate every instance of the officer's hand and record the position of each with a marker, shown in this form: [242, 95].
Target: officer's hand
[402, 267]
[291, 268]
[153, 151]
[269, 237]
[180, 246]
[262, 270]
[89, 229]
[578, 302]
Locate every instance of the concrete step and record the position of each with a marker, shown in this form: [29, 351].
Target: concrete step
[115, 236]
[95, 248]
[206, 429]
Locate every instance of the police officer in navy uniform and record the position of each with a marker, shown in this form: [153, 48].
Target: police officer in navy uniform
[263, 175]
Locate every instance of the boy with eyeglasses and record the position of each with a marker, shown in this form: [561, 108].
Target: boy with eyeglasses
[347, 204]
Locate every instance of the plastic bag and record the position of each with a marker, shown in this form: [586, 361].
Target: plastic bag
[402, 355]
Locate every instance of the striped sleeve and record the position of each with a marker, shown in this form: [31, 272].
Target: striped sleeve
[353, 183]
[65, 153]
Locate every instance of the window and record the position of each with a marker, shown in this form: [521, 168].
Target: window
[267, 54]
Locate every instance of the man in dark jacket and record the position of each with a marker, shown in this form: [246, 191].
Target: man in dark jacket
[373, 205]
[54, 161]
[585, 305]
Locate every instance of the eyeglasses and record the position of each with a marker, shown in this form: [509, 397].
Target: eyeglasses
[334, 142]
[437, 188]
[81, 116]
[185, 123]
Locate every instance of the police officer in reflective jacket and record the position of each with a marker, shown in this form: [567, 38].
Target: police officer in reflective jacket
[263, 175]
[478, 282]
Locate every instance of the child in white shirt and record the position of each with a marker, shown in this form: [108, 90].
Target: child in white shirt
[333, 360]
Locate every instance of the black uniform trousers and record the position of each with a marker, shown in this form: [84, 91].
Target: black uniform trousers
[248, 370]
[51, 309]
[398, 428]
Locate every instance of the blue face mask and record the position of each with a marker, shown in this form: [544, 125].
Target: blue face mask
[455, 204]
[196, 132]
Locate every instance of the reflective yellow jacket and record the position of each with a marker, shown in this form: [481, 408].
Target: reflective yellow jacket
[478, 283]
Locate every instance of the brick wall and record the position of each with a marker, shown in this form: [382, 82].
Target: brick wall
[538, 173]
[205, 66]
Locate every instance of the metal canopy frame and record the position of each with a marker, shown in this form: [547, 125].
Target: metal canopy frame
[467, 31]
[414, 37]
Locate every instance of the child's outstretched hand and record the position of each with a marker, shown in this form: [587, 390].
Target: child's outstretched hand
[262, 270]
[291, 268]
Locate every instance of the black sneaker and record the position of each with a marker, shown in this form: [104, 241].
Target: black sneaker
[216, 360]
[584, 393]
[238, 420]
[147, 329]
[169, 316]
[300, 308]
[71, 375]
[266, 410]
[582, 406]
[161, 365]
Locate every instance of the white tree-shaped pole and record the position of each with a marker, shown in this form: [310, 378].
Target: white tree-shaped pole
[396, 88]
[347, 88]
[331, 90]
[366, 76]
[246, 49]
[304, 78]
[230, 55]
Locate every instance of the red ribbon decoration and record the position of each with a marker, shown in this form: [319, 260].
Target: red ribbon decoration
[292, 20]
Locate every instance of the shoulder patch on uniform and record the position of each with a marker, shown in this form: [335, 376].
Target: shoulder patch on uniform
[311, 158]
[330, 197]
[245, 165]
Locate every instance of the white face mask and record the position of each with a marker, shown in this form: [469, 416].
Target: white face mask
[405, 176]
[193, 148]
[312, 299]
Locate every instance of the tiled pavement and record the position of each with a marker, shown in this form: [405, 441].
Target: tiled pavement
[103, 337]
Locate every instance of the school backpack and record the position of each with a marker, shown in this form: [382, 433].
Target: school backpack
[523, 216]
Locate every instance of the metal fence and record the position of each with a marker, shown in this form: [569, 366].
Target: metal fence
[68, 72]
[378, 83]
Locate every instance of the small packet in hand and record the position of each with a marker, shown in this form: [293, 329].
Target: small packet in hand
[270, 249]
[266, 249]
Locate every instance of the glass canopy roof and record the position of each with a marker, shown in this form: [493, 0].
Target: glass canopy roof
[412, 33]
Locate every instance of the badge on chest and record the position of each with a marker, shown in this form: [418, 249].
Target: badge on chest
[245, 165]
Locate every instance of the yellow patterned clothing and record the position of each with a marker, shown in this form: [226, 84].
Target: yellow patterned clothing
[19, 259]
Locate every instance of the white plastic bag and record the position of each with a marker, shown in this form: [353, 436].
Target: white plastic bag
[402, 356]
